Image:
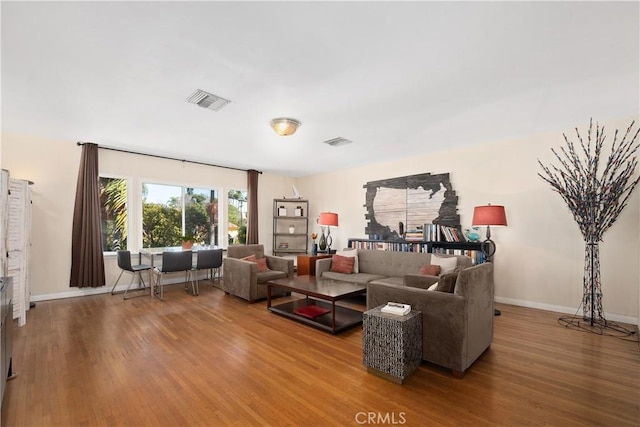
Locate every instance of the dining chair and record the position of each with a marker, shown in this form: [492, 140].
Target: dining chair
[124, 262]
[210, 260]
[172, 262]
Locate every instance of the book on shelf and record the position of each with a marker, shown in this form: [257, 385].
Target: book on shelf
[452, 234]
[414, 236]
[431, 232]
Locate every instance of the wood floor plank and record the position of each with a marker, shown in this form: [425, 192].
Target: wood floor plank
[216, 360]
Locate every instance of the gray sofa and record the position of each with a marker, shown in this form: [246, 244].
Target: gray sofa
[386, 267]
[242, 279]
[457, 327]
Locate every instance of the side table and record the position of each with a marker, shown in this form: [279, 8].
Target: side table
[391, 344]
[307, 264]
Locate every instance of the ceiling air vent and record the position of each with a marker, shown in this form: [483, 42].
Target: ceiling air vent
[207, 100]
[336, 142]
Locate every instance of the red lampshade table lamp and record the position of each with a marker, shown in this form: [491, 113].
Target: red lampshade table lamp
[489, 215]
[328, 219]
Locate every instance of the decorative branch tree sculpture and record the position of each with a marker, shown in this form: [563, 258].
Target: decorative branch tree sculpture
[595, 197]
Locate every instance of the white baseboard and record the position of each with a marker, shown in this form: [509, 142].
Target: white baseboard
[567, 310]
[83, 292]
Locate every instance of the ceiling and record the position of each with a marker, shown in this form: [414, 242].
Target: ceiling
[396, 78]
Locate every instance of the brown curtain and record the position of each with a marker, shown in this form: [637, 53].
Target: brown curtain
[87, 262]
[252, 206]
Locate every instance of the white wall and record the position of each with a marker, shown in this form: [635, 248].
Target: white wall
[53, 166]
[539, 259]
[540, 255]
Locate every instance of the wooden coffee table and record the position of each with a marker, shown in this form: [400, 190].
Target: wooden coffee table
[321, 295]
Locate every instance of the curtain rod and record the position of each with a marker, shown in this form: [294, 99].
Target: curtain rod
[165, 157]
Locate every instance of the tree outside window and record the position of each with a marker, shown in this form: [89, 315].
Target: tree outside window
[171, 212]
[113, 213]
[237, 215]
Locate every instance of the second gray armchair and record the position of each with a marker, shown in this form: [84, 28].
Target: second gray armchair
[242, 278]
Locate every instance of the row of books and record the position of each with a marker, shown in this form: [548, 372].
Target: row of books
[389, 246]
[477, 257]
[435, 233]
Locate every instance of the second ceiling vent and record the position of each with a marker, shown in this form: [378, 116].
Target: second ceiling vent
[337, 142]
[207, 100]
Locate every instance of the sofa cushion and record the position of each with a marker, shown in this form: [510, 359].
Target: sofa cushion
[430, 270]
[264, 277]
[389, 281]
[447, 264]
[447, 282]
[391, 263]
[420, 281]
[360, 278]
[342, 264]
[353, 253]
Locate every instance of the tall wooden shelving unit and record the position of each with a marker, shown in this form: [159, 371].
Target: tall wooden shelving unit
[290, 213]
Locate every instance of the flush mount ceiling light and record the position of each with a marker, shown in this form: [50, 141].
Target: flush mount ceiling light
[285, 126]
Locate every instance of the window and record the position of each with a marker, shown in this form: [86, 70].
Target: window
[113, 213]
[237, 216]
[171, 212]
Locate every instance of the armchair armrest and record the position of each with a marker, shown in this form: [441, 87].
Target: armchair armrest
[280, 264]
[322, 265]
[444, 320]
[238, 275]
[419, 280]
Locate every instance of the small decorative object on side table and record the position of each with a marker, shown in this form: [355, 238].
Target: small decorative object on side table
[391, 344]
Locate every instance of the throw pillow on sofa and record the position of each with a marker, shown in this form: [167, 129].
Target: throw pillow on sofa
[430, 270]
[447, 282]
[262, 262]
[447, 264]
[353, 253]
[342, 264]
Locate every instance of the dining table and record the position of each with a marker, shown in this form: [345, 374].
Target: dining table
[152, 253]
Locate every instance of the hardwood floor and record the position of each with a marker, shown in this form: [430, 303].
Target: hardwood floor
[216, 360]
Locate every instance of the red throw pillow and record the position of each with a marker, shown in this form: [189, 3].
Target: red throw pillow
[430, 270]
[262, 265]
[342, 264]
[262, 262]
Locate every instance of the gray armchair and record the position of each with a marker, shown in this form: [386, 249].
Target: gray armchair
[242, 279]
[456, 327]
